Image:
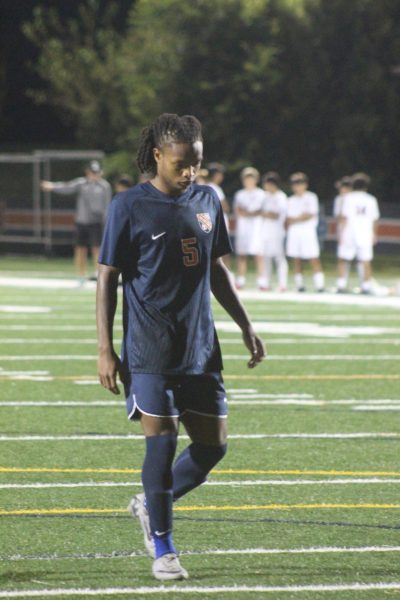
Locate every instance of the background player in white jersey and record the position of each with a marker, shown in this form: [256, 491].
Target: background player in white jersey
[248, 204]
[216, 175]
[359, 220]
[273, 229]
[302, 240]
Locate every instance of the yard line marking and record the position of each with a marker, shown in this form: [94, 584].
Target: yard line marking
[233, 483]
[189, 589]
[239, 342]
[237, 436]
[216, 551]
[329, 472]
[325, 377]
[381, 407]
[316, 357]
[204, 508]
[4, 308]
[287, 357]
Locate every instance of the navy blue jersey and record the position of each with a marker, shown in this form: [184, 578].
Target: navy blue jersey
[164, 247]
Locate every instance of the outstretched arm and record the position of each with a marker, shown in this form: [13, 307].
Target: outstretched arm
[226, 295]
[108, 362]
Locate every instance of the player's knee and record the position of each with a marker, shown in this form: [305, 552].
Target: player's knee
[207, 456]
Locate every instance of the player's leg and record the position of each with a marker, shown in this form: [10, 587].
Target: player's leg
[298, 274]
[366, 286]
[318, 275]
[151, 397]
[262, 279]
[282, 271]
[96, 232]
[80, 252]
[268, 271]
[80, 259]
[204, 415]
[208, 436]
[242, 271]
[343, 269]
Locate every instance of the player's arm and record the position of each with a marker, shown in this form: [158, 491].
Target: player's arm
[301, 218]
[241, 212]
[269, 214]
[375, 230]
[226, 295]
[108, 362]
[66, 188]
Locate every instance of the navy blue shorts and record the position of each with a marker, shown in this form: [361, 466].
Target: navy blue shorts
[172, 395]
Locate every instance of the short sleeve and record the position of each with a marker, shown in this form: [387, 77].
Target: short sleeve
[221, 242]
[116, 238]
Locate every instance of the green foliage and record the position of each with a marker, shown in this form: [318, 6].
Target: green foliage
[283, 84]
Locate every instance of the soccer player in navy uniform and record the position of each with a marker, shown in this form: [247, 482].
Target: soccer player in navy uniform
[167, 237]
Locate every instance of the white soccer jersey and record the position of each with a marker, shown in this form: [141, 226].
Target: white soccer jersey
[273, 230]
[302, 241]
[248, 228]
[338, 205]
[307, 203]
[360, 210]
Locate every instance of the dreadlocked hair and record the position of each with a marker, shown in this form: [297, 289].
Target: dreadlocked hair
[167, 129]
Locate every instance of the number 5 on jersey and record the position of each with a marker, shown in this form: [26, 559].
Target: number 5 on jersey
[190, 252]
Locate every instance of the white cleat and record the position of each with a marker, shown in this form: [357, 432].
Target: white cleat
[168, 567]
[138, 510]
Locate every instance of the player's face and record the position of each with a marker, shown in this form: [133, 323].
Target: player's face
[269, 186]
[178, 165]
[299, 188]
[250, 182]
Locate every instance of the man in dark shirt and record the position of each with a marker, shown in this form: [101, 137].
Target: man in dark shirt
[167, 237]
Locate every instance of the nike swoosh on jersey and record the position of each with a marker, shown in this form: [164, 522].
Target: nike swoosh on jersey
[154, 237]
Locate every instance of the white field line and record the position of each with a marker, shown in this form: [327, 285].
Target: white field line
[5, 308]
[376, 408]
[288, 357]
[251, 436]
[270, 342]
[190, 589]
[218, 552]
[309, 329]
[390, 405]
[234, 483]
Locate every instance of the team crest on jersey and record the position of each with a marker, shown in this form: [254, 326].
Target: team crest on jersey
[205, 222]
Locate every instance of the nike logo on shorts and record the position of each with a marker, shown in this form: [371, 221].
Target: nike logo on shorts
[155, 237]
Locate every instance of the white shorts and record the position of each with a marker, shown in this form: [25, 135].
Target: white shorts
[364, 253]
[247, 236]
[302, 243]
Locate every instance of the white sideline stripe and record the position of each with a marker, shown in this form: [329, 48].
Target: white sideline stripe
[228, 551]
[239, 342]
[234, 483]
[188, 589]
[376, 408]
[291, 357]
[360, 405]
[238, 436]
[5, 308]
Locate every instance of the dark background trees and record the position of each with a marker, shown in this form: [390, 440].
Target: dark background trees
[311, 85]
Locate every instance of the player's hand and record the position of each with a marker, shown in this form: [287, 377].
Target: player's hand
[46, 186]
[109, 366]
[256, 347]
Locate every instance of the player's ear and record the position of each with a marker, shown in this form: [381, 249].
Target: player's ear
[157, 154]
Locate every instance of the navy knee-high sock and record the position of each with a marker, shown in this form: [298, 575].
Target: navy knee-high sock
[157, 483]
[193, 465]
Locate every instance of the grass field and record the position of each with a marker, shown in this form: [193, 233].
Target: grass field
[305, 504]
